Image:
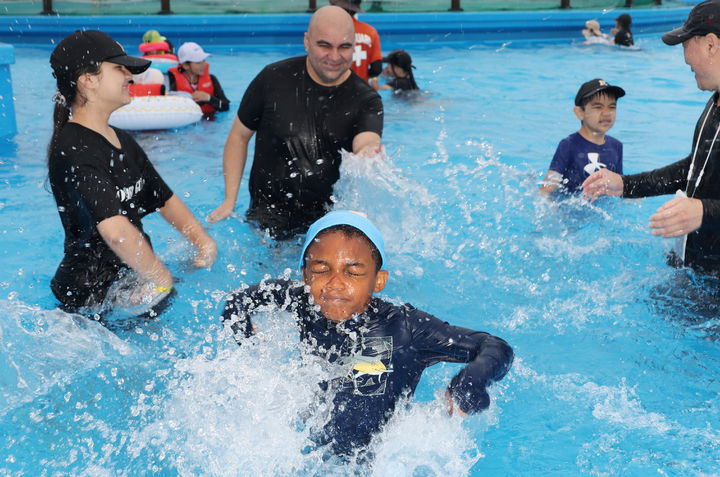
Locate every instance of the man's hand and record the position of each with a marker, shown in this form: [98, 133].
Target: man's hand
[677, 217]
[602, 182]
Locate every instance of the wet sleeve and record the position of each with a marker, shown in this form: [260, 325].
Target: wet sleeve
[253, 102]
[665, 180]
[375, 69]
[158, 192]
[93, 184]
[218, 101]
[561, 159]
[242, 304]
[370, 115]
[489, 358]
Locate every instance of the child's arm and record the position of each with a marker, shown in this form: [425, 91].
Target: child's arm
[551, 182]
[489, 358]
[558, 165]
[243, 303]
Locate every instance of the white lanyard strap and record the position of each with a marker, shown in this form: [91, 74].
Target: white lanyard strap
[697, 143]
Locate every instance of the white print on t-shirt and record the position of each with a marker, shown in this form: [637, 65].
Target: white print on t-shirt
[593, 165]
[363, 39]
[127, 193]
[359, 55]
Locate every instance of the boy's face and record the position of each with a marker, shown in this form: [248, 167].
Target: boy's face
[340, 271]
[598, 115]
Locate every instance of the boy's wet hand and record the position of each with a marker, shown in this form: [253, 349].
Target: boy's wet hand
[451, 406]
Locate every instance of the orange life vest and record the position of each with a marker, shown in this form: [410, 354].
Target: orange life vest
[204, 84]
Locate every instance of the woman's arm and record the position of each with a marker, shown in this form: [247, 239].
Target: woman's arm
[176, 213]
[130, 245]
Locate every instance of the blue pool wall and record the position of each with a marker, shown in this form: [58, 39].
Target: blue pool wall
[8, 125]
[238, 31]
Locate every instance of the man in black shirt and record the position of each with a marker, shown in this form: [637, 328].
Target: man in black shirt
[693, 216]
[304, 110]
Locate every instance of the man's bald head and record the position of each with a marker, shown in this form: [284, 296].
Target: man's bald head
[330, 42]
[331, 16]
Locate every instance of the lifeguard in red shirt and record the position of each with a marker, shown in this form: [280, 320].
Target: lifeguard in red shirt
[367, 59]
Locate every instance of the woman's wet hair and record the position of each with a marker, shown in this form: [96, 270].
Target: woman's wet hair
[66, 95]
[351, 232]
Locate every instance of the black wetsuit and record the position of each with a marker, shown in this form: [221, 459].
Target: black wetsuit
[385, 350]
[301, 127]
[92, 180]
[703, 246]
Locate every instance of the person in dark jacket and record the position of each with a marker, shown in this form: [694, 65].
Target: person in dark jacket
[693, 216]
[383, 347]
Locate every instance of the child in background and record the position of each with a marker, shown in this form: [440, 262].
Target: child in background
[623, 36]
[383, 348]
[590, 149]
[399, 69]
[592, 33]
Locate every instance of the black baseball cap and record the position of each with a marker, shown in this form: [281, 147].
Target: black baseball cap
[399, 58]
[88, 48]
[704, 18]
[593, 87]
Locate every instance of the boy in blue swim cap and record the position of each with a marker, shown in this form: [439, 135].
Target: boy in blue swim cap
[384, 347]
[590, 149]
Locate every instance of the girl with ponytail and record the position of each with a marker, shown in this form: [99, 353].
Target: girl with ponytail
[104, 185]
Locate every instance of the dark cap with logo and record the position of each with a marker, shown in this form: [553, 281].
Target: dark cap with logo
[89, 48]
[704, 18]
[593, 87]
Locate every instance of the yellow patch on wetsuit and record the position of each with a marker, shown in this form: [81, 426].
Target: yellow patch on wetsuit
[369, 367]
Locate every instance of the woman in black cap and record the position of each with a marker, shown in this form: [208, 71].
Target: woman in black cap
[104, 184]
[399, 69]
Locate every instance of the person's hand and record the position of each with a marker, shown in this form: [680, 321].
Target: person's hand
[451, 405]
[602, 182]
[206, 254]
[371, 151]
[200, 96]
[677, 217]
[221, 213]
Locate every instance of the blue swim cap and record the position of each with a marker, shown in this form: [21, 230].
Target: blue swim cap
[354, 219]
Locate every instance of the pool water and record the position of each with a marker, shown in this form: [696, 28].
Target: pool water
[616, 353]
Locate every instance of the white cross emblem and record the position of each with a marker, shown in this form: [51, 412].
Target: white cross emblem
[593, 165]
[359, 55]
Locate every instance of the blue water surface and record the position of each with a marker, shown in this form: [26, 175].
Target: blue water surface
[616, 353]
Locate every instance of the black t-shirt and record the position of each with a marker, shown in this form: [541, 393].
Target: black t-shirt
[92, 181]
[301, 127]
[624, 38]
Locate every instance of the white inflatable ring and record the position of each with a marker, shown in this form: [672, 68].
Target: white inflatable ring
[156, 112]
